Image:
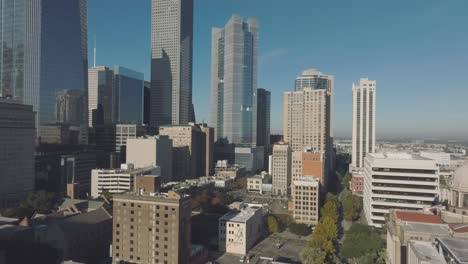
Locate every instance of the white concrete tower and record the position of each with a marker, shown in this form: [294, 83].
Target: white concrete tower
[363, 121]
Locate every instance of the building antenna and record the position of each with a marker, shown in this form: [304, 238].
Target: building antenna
[94, 50]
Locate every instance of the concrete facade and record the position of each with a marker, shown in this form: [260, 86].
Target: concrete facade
[171, 62]
[397, 181]
[305, 193]
[117, 180]
[363, 137]
[281, 169]
[151, 152]
[238, 231]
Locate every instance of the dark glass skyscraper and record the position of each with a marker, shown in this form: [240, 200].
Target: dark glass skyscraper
[263, 117]
[44, 54]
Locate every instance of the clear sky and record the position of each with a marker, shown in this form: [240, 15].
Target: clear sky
[416, 50]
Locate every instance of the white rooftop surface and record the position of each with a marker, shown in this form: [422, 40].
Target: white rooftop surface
[306, 181]
[397, 156]
[458, 247]
[240, 217]
[427, 253]
[435, 229]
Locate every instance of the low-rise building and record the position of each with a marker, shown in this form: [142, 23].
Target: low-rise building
[397, 181]
[305, 193]
[224, 171]
[423, 252]
[404, 226]
[238, 231]
[118, 180]
[357, 183]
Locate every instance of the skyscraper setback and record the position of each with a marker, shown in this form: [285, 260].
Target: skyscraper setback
[171, 62]
[234, 81]
[44, 51]
[363, 121]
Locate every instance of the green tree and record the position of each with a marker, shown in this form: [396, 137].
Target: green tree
[345, 181]
[362, 240]
[330, 210]
[312, 255]
[324, 235]
[272, 224]
[298, 229]
[352, 206]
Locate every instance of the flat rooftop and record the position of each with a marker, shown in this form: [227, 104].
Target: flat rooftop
[240, 217]
[397, 156]
[434, 229]
[426, 252]
[458, 247]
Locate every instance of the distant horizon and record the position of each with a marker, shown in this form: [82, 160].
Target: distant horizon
[418, 55]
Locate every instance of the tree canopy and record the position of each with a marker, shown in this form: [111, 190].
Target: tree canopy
[362, 240]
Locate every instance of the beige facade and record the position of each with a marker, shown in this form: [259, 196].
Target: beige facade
[308, 122]
[154, 151]
[305, 193]
[254, 184]
[151, 229]
[281, 169]
[193, 149]
[238, 231]
[308, 163]
[17, 140]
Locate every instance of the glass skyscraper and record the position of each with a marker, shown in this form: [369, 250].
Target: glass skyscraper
[234, 81]
[171, 62]
[129, 91]
[44, 55]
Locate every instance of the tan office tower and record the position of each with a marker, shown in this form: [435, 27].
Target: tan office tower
[171, 62]
[308, 115]
[363, 121]
[305, 193]
[281, 168]
[308, 163]
[151, 228]
[193, 149]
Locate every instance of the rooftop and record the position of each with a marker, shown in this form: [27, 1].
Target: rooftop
[418, 217]
[458, 247]
[427, 228]
[397, 156]
[128, 171]
[240, 217]
[426, 252]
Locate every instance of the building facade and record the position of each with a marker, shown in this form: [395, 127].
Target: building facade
[234, 81]
[305, 193]
[128, 86]
[193, 147]
[363, 121]
[238, 231]
[34, 64]
[171, 62]
[308, 163]
[151, 228]
[264, 122]
[17, 141]
[101, 96]
[308, 115]
[397, 181]
[249, 157]
[154, 151]
[76, 170]
[118, 180]
[281, 169]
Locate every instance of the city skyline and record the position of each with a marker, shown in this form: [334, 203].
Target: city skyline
[402, 48]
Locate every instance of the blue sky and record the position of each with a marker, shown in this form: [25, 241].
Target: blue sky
[416, 50]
